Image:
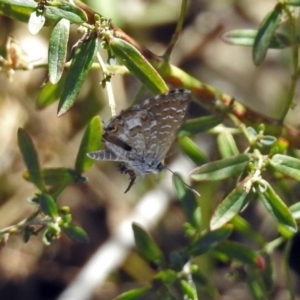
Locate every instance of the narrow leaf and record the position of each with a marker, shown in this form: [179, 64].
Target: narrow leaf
[136, 294]
[76, 233]
[227, 145]
[278, 210]
[295, 210]
[246, 37]
[91, 141]
[61, 9]
[221, 169]
[77, 73]
[265, 34]
[293, 2]
[21, 3]
[48, 205]
[188, 289]
[146, 246]
[138, 65]
[237, 251]
[56, 176]
[202, 124]
[49, 94]
[30, 158]
[36, 22]
[166, 276]
[286, 165]
[230, 206]
[192, 150]
[58, 50]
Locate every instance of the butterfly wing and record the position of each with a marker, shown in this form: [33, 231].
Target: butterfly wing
[132, 128]
[143, 134]
[168, 111]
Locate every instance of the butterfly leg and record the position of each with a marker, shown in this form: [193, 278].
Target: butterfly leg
[132, 176]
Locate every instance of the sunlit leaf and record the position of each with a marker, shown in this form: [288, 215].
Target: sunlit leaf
[48, 205]
[91, 141]
[277, 209]
[138, 65]
[77, 73]
[286, 165]
[230, 206]
[221, 169]
[227, 145]
[58, 50]
[191, 149]
[36, 22]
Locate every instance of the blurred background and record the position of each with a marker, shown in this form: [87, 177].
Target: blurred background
[35, 271]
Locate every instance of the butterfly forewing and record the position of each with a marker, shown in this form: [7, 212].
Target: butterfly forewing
[169, 111]
[133, 127]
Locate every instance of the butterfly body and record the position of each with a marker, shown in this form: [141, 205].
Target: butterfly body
[140, 136]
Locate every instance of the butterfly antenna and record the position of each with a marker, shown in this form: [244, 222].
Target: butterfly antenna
[189, 187]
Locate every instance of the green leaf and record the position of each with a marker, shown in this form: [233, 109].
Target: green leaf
[138, 65]
[48, 205]
[58, 9]
[230, 206]
[246, 37]
[221, 169]
[21, 3]
[247, 230]
[136, 294]
[187, 201]
[190, 149]
[36, 22]
[265, 34]
[30, 158]
[202, 124]
[91, 141]
[268, 140]
[237, 251]
[188, 289]
[146, 246]
[227, 145]
[295, 210]
[209, 240]
[56, 176]
[167, 276]
[53, 10]
[58, 50]
[277, 209]
[77, 73]
[49, 93]
[293, 2]
[286, 165]
[17, 9]
[76, 233]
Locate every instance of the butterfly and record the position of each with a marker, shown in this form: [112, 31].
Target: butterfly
[140, 136]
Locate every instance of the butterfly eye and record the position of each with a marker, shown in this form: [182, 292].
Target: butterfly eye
[112, 128]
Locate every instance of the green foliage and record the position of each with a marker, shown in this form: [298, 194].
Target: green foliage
[250, 172]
